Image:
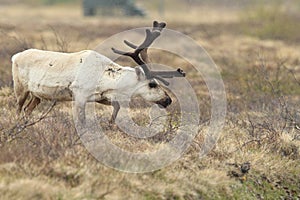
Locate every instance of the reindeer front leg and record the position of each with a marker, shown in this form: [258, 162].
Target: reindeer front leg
[116, 109]
[79, 112]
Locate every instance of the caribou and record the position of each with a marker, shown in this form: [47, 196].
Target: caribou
[88, 76]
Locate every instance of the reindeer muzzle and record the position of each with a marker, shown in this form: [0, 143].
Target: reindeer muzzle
[164, 102]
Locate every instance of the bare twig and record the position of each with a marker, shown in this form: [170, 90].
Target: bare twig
[293, 74]
[245, 144]
[20, 127]
[61, 41]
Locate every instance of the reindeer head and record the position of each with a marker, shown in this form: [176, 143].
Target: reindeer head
[150, 89]
[148, 86]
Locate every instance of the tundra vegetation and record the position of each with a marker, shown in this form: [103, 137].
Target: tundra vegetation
[256, 46]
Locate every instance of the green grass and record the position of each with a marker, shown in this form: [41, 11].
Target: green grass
[261, 187]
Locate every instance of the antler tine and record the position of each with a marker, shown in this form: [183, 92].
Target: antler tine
[135, 57]
[120, 52]
[130, 44]
[150, 37]
[158, 26]
[143, 52]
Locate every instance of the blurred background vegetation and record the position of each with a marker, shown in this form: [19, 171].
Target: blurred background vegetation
[265, 19]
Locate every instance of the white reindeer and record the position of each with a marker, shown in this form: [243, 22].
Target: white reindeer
[87, 76]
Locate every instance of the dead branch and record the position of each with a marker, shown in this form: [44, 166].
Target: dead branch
[18, 128]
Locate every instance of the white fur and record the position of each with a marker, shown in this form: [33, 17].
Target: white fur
[82, 76]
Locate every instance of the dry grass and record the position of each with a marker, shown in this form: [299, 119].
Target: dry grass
[48, 161]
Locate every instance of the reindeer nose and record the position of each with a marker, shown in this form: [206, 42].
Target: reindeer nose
[168, 101]
[164, 102]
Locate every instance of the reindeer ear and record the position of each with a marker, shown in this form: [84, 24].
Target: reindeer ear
[139, 72]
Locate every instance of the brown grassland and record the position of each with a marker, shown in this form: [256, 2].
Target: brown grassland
[256, 48]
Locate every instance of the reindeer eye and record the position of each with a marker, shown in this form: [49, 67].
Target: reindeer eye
[152, 84]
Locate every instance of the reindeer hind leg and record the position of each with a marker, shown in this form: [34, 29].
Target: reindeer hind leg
[21, 98]
[21, 94]
[31, 105]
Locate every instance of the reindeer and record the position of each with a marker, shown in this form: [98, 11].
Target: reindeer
[88, 76]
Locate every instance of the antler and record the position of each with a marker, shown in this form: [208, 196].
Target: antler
[141, 50]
